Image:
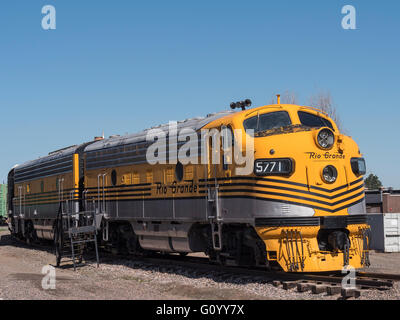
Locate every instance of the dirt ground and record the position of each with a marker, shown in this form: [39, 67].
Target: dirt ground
[21, 278]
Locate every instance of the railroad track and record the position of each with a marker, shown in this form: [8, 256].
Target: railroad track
[316, 283]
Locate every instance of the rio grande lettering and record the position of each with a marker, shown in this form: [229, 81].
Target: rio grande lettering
[325, 156]
[175, 188]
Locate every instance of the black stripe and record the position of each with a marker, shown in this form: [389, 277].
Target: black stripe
[46, 198]
[56, 199]
[65, 196]
[114, 163]
[338, 188]
[44, 174]
[242, 197]
[283, 182]
[37, 196]
[121, 186]
[294, 203]
[253, 192]
[124, 154]
[44, 169]
[50, 192]
[119, 191]
[122, 195]
[285, 189]
[43, 164]
[330, 204]
[117, 149]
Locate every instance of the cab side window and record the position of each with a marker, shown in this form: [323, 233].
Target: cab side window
[313, 121]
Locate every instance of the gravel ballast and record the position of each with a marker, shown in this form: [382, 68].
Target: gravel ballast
[125, 279]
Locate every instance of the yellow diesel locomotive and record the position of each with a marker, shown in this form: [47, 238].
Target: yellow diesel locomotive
[300, 209]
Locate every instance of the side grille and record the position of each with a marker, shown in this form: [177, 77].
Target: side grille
[357, 219]
[287, 222]
[332, 221]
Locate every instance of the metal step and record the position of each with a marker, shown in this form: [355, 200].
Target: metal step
[82, 230]
[76, 237]
[83, 241]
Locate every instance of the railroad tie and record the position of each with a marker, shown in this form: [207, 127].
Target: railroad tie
[289, 285]
[350, 293]
[333, 289]
[276, 283]
[318, 288]
[304, 286]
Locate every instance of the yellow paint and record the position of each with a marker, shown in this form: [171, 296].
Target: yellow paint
[299, 146]
[49, 193]
[136, 178]
[307, 251]
[75, 172]
[169, 175]
[127, 179]
[188, 172]
[149, 176]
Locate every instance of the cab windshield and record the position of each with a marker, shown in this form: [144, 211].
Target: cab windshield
[267, 121]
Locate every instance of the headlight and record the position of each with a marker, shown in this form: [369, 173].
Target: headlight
[329, 174]
[358, 166]
[326, 138]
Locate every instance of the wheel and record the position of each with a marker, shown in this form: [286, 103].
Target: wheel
[58, 250]
[58, 243]
[30, 236]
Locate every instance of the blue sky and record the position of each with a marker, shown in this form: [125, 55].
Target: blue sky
[122, 66]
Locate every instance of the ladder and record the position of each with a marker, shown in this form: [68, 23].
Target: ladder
[74, 231]
[216, 220]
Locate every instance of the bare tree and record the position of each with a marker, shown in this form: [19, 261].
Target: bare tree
[288, 97]
[323, 101]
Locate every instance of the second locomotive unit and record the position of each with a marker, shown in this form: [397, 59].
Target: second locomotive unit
[301, 208]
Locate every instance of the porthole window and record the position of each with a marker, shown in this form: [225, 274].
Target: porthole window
[114, 177]
[179, 171]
